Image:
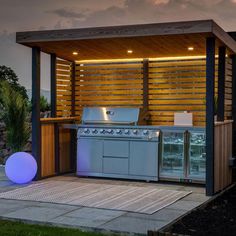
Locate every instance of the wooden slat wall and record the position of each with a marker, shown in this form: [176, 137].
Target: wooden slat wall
[113, 84]
[64, 89]
[177, 85]
[47, 150]
[223, 151]
[228, 89]
[64, 150]
[174, 85]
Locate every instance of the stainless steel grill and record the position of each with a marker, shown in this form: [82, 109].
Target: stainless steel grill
[115, 123]
[112, 143]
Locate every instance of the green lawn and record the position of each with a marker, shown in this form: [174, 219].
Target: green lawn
[12, 228]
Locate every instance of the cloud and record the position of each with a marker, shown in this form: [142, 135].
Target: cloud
[65, 13]
[150, 11]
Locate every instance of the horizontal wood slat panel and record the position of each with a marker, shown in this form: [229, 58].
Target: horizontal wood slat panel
[228, 89]
[114, 84]
[223, 152]
[176, 86]
[64, 87]
[47, 150]
[111, 77]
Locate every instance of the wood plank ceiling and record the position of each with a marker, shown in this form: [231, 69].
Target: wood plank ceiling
[116, 48]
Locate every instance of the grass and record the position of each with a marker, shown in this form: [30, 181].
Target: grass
[13, 228]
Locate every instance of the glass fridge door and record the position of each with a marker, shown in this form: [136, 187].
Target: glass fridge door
[197, 156]
[172, 156]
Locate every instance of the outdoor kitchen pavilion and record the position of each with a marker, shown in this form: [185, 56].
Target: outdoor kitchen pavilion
[162, 68]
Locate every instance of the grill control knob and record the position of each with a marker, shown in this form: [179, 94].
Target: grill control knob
[145, 132]
[94, 131]
[135, 131]
[86, 131]
[118, 131]
[102, 131]
[126, 131]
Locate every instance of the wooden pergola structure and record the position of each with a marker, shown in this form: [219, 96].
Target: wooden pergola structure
[162, 68]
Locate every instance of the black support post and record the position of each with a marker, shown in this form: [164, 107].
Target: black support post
[73, 133]
[53, 85]
[145, 84]
[234, 101]
[36, 127]
[210, 90]
[73, 89]
[54, 110]
[221, 85]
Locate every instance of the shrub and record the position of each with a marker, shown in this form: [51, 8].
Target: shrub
[7, 74]
[14, 114]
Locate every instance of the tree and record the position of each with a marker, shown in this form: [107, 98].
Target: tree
[7, 74]
[14, 114]
[44, 104]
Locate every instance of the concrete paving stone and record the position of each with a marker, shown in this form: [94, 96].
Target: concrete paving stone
[133, 225]
[7, 206]
[164, 214]
[4, 183]
[35, 213]
[57, 206]
[184, 205]
[95, 213]
[196, 197]
[87, 217]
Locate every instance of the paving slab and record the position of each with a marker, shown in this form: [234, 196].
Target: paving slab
[35, 213]
[197, 197]
[99, 219]
[7, 207]
[89, 216]
[184, 205]
[133, 225]
[163, 215]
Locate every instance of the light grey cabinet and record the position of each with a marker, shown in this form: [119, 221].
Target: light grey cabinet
[89, 152]
[114, 165]
[117, 159]
[143, 159]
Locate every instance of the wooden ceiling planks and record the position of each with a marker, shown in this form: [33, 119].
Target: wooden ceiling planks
[116, 48]
[146, 41]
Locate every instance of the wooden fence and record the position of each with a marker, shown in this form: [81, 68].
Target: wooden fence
[173, 85]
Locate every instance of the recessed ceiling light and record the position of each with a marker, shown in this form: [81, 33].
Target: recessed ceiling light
[190, 48]
[130, 51]
[75, 53]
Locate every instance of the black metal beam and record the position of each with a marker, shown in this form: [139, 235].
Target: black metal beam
[234, 101]
[210, 92]
[36, 127]
[73, 89]
[145, 84]
[73, 133]
[221, 84]
[53, 85]
[54, 109]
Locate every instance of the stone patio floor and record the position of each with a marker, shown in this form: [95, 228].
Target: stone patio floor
[93, 219]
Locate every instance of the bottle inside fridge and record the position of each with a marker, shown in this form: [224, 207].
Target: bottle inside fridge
[197, 155]
[172, 161]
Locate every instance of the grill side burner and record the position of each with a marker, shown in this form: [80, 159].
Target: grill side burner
[112, 144]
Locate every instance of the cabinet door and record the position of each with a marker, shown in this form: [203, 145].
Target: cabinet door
[197, 156]
[173, 155]
[143, 158]
[89, 155]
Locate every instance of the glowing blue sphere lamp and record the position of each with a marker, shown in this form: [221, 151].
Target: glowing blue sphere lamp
[21, 167]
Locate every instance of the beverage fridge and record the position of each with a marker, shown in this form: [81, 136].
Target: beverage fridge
[182, 156]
